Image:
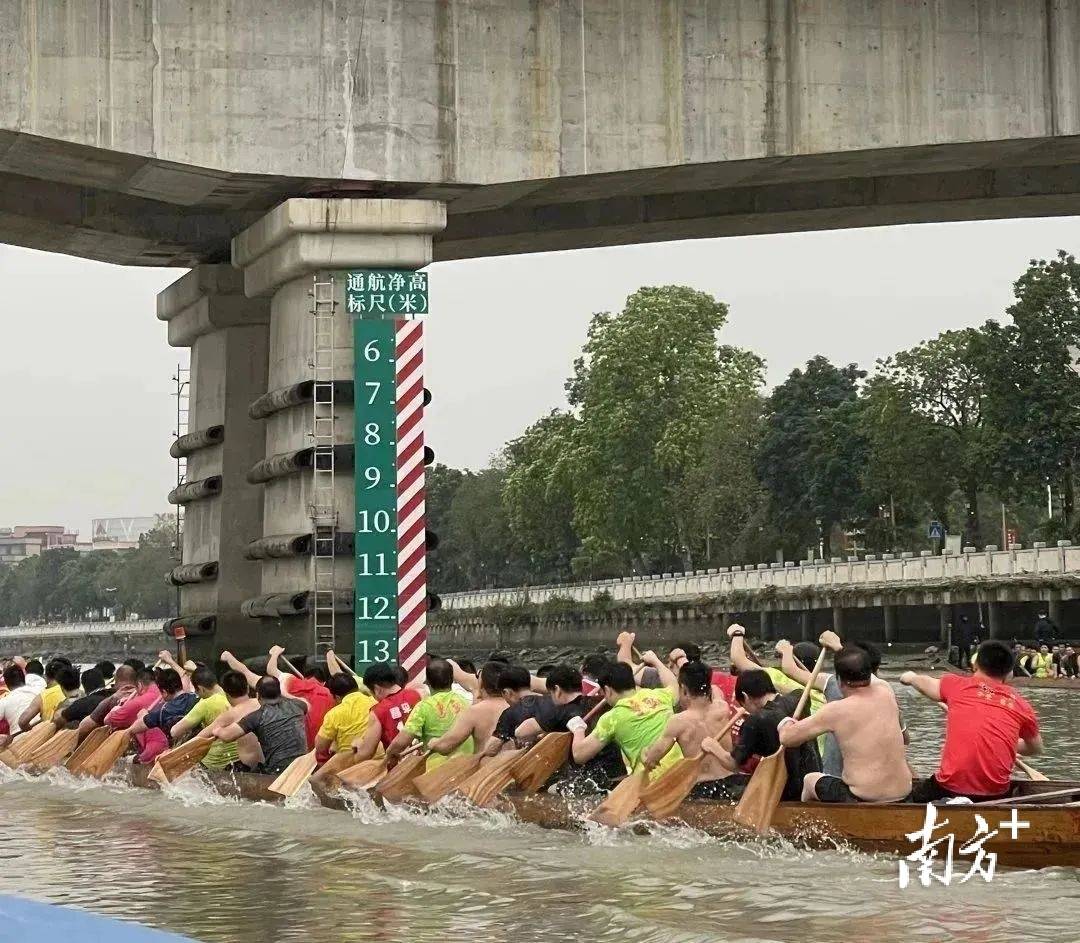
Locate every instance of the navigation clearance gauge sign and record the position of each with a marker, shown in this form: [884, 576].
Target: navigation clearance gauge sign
[390, 581]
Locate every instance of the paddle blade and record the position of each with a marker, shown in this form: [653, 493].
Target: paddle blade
[157, 775]
[295, 775]
[484, 786]
[433, 785]
[105, 757]
[398, 783]
[59, 746]
[86, 749]
[669, 790]
[338, 763]
[621, 801]
[758, 803]
[181, 760]
[9, 759]
[363, 775]
[22, 746]
[542, 761]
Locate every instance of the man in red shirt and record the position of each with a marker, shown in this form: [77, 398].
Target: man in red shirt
[987, 725]
[394, 704]
[311, 688]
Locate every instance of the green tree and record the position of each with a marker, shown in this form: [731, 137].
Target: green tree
[539, 495]
[813, 451]
[1033, 394]
[943, 380]
[650, 387]
[479, 544]
[440, 485]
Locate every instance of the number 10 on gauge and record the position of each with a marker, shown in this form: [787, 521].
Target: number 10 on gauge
[376, 491]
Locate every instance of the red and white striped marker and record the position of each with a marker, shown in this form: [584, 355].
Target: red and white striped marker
[411, 549]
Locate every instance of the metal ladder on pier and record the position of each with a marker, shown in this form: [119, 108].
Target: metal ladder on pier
[182, 392]
[323, 509]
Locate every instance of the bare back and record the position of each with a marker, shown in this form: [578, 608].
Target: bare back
[701, 720]
[866, 723]
[484, 715]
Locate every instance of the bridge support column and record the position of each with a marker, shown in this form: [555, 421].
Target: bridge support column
[227, 333]
[806, 626]
[1053, 609]
[765, 624]
[838, 620]
[889, 613]
[944, 626]
[993, 618]
[281, 256]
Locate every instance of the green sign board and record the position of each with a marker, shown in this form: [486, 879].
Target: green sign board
[377, 299]
[386, 293]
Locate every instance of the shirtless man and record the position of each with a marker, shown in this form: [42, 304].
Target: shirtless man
[701, 716]
[866, 723]
[478, 720]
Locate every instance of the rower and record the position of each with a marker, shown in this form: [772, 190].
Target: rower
[393, 705]
[63, 684]
[15, 702]
[212, 704]
[805, 652]
[347, 720]
[72, 712]
[124, 713]
[153, 725]
[700, 716]
[756, 694]
[312, 687]
[278, 725]
[246, 751]
[515, 684]
[433, 716]
[475, 725]
[123, 688]
[866, 724]
[988, 723]
[638, 716]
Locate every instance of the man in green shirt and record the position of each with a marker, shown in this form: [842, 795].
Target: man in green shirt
[637, 717]
[433, 716]
[211, 705]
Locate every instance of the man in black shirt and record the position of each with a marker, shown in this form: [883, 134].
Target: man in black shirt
[515, 683]
[759, 737]
[563, 702]
[72, 712]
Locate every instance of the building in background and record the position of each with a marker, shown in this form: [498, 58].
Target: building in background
[119, 533]
[51, 536]
[14, 550]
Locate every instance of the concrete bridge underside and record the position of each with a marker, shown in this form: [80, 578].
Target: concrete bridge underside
[148, 132]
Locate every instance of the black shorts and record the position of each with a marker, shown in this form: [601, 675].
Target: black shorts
[729, 789]
[930, 790]
[834, 789]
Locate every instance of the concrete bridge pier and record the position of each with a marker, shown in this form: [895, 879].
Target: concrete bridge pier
[889, 614]
[281, 256]
[227, 333]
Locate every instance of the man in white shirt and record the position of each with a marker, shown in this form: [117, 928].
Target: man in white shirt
[15, 702]
[35, 674]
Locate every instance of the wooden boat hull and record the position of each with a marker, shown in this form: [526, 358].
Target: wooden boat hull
[1052, 838]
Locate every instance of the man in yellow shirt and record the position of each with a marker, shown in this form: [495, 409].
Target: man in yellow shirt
[212, 704]
[347, 720]
[62, 683]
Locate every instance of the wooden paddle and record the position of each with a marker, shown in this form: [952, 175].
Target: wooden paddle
[295, 775]
[621, 801]
[54, 750]
[490, 779]
[26, 743]
[762, 795]
[669, 790]
[338, 763]
[177, 762]
[434, 784]
[548, 755]
[105, 757]
[1032, 773]
[368, 773]
[398, 783]
[85, 750]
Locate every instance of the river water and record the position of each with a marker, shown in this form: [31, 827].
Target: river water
[220, 870]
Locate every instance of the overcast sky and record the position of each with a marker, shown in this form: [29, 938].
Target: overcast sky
[85, 403]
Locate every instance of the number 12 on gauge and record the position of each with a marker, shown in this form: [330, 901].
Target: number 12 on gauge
[376, 492]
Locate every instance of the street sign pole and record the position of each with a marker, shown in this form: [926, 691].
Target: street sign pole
[390, 582]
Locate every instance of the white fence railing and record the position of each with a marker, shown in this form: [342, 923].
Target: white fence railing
[54, 629]
[900, 569]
